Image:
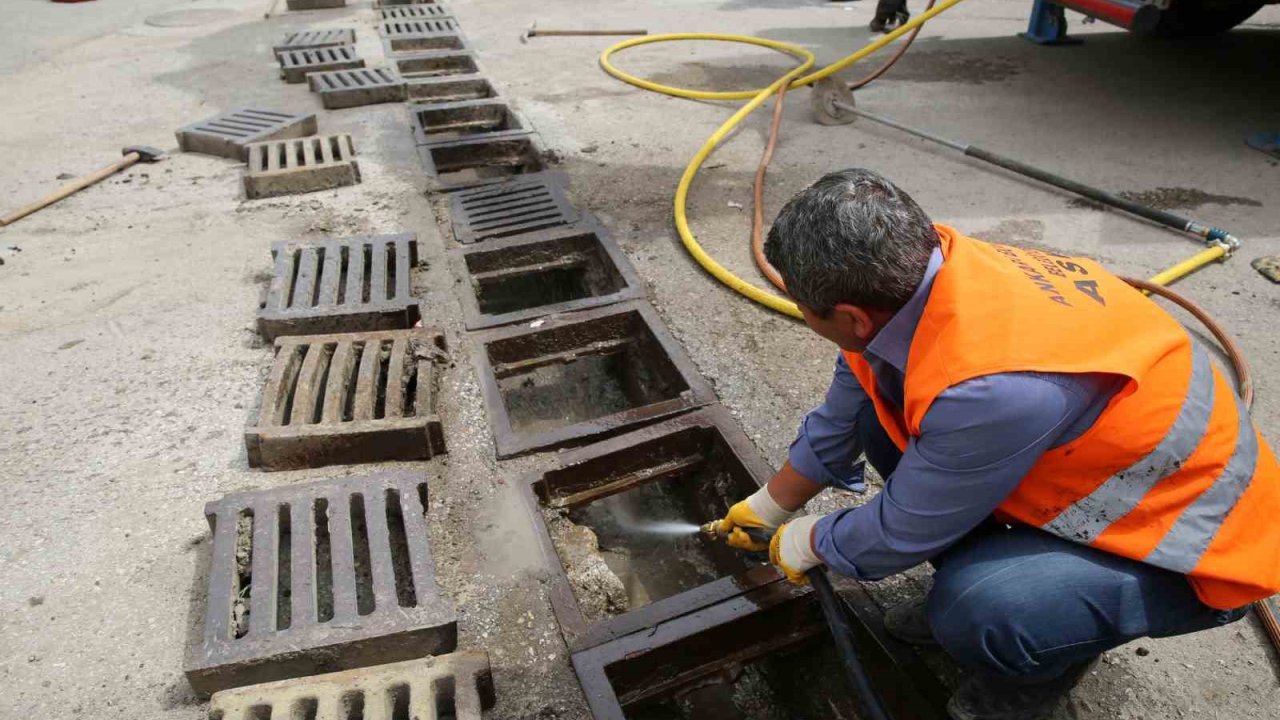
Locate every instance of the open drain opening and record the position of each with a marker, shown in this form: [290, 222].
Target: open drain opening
[295, 266]
[389, 279]
[384, 383]
[284, 568]
[401, 565]
[445, 689]
[529, 276]
[623, 524]
[242, 583]
[563, 376]
[440, 124]
[398, 700]
[784, 665]
[484, 161]
[289, 384]
[324, 561]
[305, 709]
[353, 705]
[437, 66]
[366, 280]
[427, 42]
[344, 266]
[349, 384]
[325, 365]
[365, 603]
[316, 285]
[260, 712]
[451, 90]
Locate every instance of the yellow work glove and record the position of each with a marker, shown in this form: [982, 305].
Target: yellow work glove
[792, 551]
[759, 510]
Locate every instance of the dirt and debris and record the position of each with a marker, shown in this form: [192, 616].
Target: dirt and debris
[599, 592]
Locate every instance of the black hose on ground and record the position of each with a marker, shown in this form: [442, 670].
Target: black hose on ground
[833, 608]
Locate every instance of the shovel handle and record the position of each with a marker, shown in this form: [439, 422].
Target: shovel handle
[71, 189]
[570, 33]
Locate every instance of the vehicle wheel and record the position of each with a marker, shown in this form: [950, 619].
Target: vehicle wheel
[1193, 18]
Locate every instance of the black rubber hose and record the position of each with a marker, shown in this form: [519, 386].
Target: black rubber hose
[842, 634]
[1167, 219]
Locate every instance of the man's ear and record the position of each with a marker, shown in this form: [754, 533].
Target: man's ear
[858, 320]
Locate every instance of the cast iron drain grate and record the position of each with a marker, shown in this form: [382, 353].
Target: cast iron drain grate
[524, 204]
[458, 686]
[311, 39]
[582, 375]
[296, 64]
[468, 163]
[353, 88]
[436, 63]
[422, 34]
[540, 273]
[689, 469]
[349, 398]
[448, 89]
[228, 134]
[414, 12]
[301, 165]
[318, 577]
[472, 119]
[340, 285]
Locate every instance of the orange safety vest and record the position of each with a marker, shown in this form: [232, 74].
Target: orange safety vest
[1172, 473]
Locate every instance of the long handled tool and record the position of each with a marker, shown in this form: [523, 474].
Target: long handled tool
[533, 31]
[833, 104]
[833, 610]
[132, 154]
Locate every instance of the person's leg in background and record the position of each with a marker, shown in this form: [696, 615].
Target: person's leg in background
[890, 15]
[1030, 612]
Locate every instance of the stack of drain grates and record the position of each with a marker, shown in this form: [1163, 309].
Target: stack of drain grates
[321, 597]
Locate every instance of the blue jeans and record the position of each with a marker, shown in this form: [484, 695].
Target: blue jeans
[1021, 603]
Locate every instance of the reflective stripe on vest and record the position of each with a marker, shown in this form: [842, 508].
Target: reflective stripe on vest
[1185, 543]
[1089, 516]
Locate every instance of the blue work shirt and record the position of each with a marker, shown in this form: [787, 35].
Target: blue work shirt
[977, 441]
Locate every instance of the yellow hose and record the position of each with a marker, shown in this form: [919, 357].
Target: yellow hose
[756, 98]
[1190, 265]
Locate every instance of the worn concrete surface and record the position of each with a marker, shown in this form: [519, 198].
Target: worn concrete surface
[130, 365]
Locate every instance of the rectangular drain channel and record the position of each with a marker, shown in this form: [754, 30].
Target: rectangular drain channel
[468, 163]
[414, 12]
[302, 165]
[316, 577]
[349, 398]
[341, 285]
[436, 63]
[610, 580]
[783, 664]
[524, 204]
[473, 119]
[311, 39]
[296, 64]
[457, 686]
[228, 134]
[314, 4]
[583, 375]
[540, 273]
[353, 88]
[448, 89]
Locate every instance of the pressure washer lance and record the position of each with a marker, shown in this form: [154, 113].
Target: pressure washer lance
[833, 609]
[833, 104]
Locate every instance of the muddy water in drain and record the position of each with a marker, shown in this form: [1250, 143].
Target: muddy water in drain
[557, 395]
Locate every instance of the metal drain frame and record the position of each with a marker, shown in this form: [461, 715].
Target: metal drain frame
[517, 125]
[464, 676]
[524, 148]
[315, 269]
[578, 634]
[908, 687]
[516, 197]
[474, 318]
[311, 39]
[295, 65]
[357, 87]
[451, 63]
[471, 87]
[510, 443]
[273, 445]
[229, 134]
[389, 632]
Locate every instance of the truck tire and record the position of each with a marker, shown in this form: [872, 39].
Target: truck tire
[1193, 18]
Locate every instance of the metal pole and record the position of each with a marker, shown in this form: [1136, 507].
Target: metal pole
[1208, 233]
